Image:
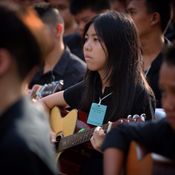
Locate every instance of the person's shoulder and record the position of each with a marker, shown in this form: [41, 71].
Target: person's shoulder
[144, 92]
[78, 86]
[33, 122]
[74, 60]
[25, 130]
[33, 130]
[73, 57]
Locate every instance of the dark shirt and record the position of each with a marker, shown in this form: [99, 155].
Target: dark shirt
[170, 33]
[143, 103]
[152, 75]
[25, 146]
[93, 163]
[74, 42]
[157, 137]
[70, 69]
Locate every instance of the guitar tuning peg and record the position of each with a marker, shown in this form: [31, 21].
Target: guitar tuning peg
[129, 116]
[62, 82]
[143, 116]
[135, 116]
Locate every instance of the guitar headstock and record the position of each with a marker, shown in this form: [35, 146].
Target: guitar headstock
[39, 91]
[130, 118]
[136, 118]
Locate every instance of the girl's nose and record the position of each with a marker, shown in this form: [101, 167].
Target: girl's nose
[87, 46]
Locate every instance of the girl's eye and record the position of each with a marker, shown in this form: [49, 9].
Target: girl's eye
[96, 39]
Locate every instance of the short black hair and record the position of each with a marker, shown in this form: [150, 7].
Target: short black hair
[48, 13]
[164, 8]
[97, 6]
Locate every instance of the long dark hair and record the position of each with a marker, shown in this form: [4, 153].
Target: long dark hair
[124, 66]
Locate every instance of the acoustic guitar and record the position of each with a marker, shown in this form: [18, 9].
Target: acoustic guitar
[65, 126]
[147, 164]
[39, 91]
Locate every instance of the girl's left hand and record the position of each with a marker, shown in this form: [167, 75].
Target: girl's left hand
[97, 138]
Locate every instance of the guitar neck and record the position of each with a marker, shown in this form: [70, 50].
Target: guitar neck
[85, 135]
[77, 139]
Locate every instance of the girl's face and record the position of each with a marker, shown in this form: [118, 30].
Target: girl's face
[167, 86]
[95, 52]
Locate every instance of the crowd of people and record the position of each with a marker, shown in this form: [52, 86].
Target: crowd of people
[116, 60]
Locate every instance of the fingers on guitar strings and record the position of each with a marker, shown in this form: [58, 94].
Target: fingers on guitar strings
[97, 129]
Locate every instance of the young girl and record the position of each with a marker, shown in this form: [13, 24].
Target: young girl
[114, 85]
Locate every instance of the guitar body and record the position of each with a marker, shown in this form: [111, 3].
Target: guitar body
[63, 125]
[136, 166]
[147, 164]
[70, 159]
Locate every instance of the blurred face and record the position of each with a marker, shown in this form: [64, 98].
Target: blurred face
[138, 11]
[28, 2]
[167, 86]
[117, 6]
[82, 18]
[95, 52]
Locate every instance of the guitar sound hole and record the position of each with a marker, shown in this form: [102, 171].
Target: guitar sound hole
[58, 138]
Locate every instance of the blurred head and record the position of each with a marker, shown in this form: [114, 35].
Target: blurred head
[21, 41]
[85, 10]
[118, 5]
[118, 44]
[167, 85]
[63, 7]
[52, 18]
[26, 2]
[149, 14]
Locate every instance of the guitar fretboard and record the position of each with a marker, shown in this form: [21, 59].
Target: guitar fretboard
[76, 139]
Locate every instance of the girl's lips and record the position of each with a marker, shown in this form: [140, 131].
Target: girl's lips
[87, 56]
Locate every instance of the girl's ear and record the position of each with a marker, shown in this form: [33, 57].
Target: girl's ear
[5, 61]
[59, 29]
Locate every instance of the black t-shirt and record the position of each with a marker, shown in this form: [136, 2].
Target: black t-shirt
[25, 146]
[143, 103]
[157, 137]
[152, 75]
[74, 42]
[70, 69]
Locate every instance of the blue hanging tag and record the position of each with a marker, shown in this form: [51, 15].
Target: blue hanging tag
[96, 114]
